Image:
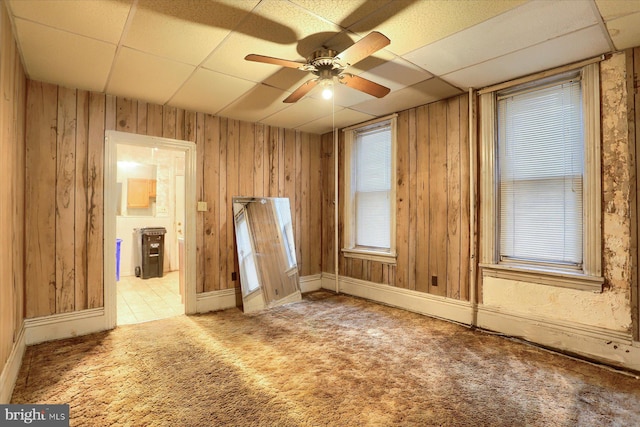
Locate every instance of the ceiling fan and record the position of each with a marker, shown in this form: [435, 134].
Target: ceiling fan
[326, 64]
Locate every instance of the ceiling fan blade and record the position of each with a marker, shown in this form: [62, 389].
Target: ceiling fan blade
[274, 61]
[301, 91]
[364, 47]
[364, 85]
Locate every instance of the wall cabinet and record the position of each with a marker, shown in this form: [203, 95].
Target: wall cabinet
[140, 191]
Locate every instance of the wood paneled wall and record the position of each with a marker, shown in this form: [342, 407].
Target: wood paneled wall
[432, 203]
[65, 140]
[12, 152]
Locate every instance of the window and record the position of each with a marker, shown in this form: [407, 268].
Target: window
[370, 191]
[540, 181]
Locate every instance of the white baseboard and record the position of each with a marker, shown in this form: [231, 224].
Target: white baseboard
[311, 283]
[216, 300]
[611, 347]
[603, 345]
[11, 368]
[65, 325]
[418, 302]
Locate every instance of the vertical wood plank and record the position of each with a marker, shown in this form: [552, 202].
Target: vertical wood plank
[222, 203]
[274, 157]
[95, 200]
[194, 128]
[169, 122]
[258, 161]
[233, 153]
[413, 196]
[180, 125]
[110, 113]
[328, 205]
[246, 149]
[142, 118]
[211, 187]
[402, 200]
[154, 120]
[126, 115]
[82, 137]
[438, 197]
[302, 192]
[40, 279]
[423, 194]
[315, 205]
[465, 199]
[453, 197]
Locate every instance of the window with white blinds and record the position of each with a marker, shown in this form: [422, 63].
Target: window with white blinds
[540, 181]
[370, 198]
[373, 188]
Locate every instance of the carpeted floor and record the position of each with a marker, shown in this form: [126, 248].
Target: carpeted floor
[330, 360]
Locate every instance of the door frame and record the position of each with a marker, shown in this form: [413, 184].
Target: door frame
[112, 139]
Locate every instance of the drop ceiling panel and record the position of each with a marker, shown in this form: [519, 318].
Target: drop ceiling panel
[576, 46]
[342, 12]
[304, 111]
[610, 9]
[209, 92]
[259, 102]
[185, 30]
[147, 77]
[429, 21]
[625, 31]
[397, 74]
[343, 118]
[60, 57]
[102, 20]
[503, 34]
[257, 34]
[422, 93]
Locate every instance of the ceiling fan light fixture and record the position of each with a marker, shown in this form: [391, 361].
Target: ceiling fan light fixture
[327, 89]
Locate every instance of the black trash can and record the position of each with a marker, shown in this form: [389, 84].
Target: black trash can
[151, 245]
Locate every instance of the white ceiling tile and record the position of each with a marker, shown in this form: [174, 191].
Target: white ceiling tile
[503, 34]
[576, 46]
[99, 19]
[419, 94]
[625, 31]
[611, 9]
[304, 111]
[147, 77]
[342, 12]
[257, 35]
[259, 102]
[60, 57]
[209, 92]
[397, 74]
[184, 30]
[342, 118]
[412, 24]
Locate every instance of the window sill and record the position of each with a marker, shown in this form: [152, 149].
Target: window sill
[384, 257]
[562, 279]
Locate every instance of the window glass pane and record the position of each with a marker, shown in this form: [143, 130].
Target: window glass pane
[541, 162]
[373, 188]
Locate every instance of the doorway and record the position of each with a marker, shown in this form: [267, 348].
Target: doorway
[149, 188]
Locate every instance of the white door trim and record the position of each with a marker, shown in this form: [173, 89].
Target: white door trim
[112, 138]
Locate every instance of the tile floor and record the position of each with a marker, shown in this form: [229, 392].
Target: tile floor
[142, 300]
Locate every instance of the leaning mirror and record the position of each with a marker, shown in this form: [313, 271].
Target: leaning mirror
[266, 252]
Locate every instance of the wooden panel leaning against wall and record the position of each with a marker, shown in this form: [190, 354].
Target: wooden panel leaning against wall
[65, 139]
[432, 200]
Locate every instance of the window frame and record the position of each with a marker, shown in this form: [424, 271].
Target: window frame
[350, 249]
[589, 277]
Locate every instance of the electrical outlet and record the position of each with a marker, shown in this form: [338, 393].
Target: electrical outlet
[434, 280]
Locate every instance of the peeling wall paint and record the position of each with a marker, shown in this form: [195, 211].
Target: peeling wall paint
[610, 309]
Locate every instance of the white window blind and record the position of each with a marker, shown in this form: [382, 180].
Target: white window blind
[373, 188]
[541, 163]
